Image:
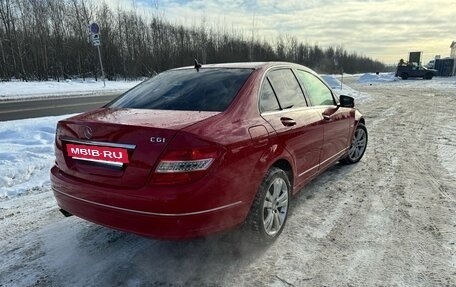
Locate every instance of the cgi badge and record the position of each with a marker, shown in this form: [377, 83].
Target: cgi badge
[157, 140]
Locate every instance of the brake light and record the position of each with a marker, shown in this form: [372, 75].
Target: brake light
[180, 166]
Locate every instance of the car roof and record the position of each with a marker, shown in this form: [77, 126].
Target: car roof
[242, 65]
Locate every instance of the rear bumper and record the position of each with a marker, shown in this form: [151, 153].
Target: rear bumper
[91, 202]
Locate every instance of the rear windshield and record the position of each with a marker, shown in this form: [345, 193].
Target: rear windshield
[209, 89]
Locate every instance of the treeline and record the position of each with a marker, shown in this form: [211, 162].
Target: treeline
[44, 39]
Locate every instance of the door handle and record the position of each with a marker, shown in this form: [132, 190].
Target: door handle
[288, 122]
[326, 117]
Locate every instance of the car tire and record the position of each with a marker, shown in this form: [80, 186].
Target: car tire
[269, 211]
[358, 145]
[404, 76]
[428, 76]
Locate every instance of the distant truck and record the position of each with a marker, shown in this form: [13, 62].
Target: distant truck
[408, 70]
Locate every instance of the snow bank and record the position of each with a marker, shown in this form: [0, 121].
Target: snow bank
[17, 90]
[26, 155]
[374, 78]
[437, 83]
[343, 89]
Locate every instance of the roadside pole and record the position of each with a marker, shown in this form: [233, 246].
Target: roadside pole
[101, 65]
[336, 64]
[342, 79]
[94, 30]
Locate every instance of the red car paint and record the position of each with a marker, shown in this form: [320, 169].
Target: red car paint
[138, 195]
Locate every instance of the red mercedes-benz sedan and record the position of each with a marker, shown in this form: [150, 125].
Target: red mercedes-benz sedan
[197, 150]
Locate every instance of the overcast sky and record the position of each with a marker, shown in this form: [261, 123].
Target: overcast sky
[385, 30]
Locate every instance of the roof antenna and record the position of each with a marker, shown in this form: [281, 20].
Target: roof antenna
[197, 65]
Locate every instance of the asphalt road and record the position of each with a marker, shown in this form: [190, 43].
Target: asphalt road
[32, 108]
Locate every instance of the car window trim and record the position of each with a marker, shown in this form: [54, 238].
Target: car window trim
[273, 91]
[287, 110]
[302, 89]
[296, 79]
[184, 69]
[265, 77]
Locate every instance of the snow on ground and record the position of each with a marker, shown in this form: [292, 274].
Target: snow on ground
[437, 83]
[437, 86]
[446, 142]
[17, 90]
[26, 154]
[334, 81]
[381, 77]
[447, 147]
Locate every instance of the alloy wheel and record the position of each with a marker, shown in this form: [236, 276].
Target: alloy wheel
[275, 206]
[358, 145]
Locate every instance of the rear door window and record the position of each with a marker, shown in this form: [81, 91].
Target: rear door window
[211, 89]
[287, 89]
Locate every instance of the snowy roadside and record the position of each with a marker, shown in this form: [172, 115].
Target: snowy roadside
[17, 90]
[26, 155]
[334, 81]
[388, 79]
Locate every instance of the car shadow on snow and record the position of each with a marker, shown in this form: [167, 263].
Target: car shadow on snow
[79, 253]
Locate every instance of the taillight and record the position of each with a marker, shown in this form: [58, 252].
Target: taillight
[181, 166]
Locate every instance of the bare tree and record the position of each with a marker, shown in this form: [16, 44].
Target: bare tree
[40, 39]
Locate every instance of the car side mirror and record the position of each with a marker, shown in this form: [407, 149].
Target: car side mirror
[346, 102]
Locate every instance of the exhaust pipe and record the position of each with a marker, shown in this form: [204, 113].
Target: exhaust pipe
[65, 213]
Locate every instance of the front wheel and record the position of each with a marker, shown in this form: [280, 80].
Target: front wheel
[404, 76]
[269, 210]
[358, 145]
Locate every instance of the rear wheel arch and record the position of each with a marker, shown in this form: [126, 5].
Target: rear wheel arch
[282, 161]
[361, 121]
[285, 165]
[275, 155]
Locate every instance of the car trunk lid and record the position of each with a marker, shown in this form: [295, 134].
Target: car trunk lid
[118, 147]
